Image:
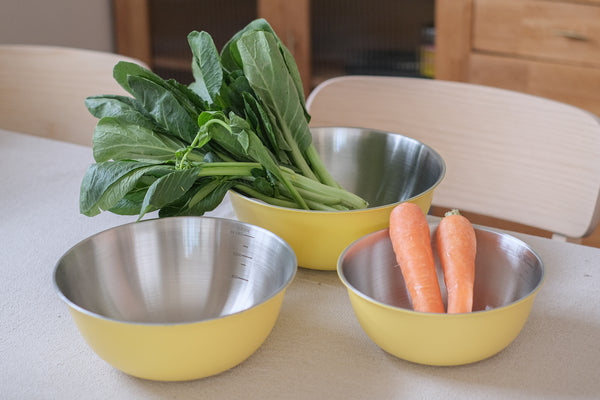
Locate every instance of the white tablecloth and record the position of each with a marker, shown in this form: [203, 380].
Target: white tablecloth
[317, 349]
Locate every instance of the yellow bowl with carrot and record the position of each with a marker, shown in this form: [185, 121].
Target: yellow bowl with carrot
[381, 167]
[508, 276]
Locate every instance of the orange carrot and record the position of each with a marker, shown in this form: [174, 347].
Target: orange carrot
[457, 247]
[411, 241]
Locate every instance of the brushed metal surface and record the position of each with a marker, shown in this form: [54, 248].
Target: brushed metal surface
[175, 270]
[506, 270]
[381, 167]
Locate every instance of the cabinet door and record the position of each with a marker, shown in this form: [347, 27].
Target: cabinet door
[453, 19]
[563, 32]
[132, 29]
[572, 84]
[146, 29]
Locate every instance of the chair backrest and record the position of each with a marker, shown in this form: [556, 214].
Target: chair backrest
[43, 89]
[508, 155]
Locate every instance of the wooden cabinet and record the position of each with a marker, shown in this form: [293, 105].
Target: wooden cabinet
[548, 48]
[543, 47]
[155, 30]
[326, 37]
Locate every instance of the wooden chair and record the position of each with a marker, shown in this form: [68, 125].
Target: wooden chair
[43, 88]
[510, 156]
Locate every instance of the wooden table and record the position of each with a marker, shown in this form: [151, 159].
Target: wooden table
[317, 349]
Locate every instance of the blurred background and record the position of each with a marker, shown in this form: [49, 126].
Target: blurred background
[328, 38]
[548, 48]
[86, 24]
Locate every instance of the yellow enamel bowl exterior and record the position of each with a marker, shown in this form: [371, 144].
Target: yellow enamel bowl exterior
[318, 237]
[179, 352]
[508, 277]
[178, 298]
[383, 168]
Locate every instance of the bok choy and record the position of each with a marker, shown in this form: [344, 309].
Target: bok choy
[241, 125]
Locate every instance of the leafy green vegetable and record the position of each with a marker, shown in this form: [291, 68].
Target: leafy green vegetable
[168, 188]
[117, 140]
[206, 67]
[241, 125]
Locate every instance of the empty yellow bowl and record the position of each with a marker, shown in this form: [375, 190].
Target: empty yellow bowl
[383, 168]
[176, 298]
[509, 275]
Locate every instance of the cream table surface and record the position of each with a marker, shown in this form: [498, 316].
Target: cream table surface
[317, 349]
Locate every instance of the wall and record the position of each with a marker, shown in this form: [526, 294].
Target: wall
[76, 23]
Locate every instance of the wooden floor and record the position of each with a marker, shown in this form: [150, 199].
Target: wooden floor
[593, 240]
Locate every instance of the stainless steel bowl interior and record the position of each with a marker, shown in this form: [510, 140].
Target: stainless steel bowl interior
[382, 167]
[506, 270]
[175, 270]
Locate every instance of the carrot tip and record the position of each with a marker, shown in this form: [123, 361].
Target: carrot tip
[452, 212]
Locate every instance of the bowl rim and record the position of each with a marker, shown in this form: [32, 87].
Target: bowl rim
[362, 210]
[432, 225]
[281, 289]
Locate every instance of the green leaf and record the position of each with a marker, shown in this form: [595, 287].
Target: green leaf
[268, 76]
[230, 57]
[124, 108]
[242, 131]
[208, 202]
[168, 189]
[258, 152]
[217, 126]
[237, 137]
[164, 108]
[105, 184]
[256, 112]
[192, 103]
[206, 66]
[131, 203]
[232, 92]
[189, 99]
[205, 195]
[292, 67]
[118, 140]
[124, 69]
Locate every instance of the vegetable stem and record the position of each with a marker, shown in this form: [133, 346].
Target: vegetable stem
[317, 166]
[191, 147]
[346, 198]
[227, 168]
[261, 196]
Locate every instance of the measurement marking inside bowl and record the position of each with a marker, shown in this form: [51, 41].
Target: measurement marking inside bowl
[239, 277]
[235, 253]
[242, 234]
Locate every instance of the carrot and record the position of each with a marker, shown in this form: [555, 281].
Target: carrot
[457, 247]
[411, 241]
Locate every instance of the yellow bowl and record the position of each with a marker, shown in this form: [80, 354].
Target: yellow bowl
[383, 168]
[176, 298]
[509, 274]
[179, 352]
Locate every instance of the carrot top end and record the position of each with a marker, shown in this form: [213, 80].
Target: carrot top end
[452, 212]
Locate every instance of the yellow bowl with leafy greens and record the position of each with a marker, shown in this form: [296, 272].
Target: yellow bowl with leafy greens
[381, 167]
